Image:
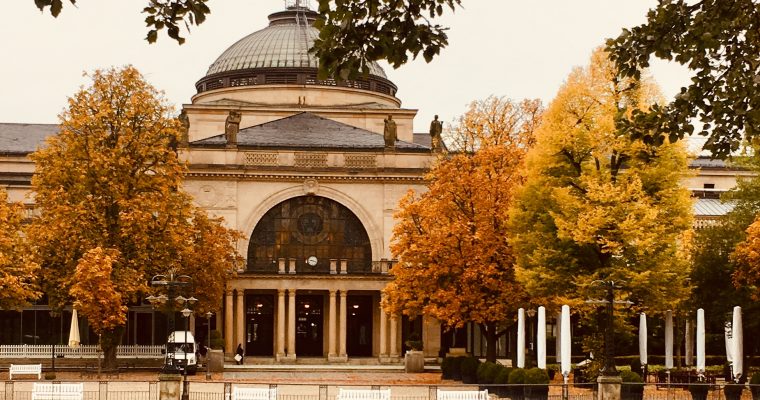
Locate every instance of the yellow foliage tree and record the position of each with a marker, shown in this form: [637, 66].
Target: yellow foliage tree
[747, 257]
[598, 205]
[455, 262]
[18, 282]
[111, 181]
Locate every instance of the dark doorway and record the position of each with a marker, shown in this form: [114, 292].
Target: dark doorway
[452, 337]
[259, 325]
[309, 325]
[359, 324]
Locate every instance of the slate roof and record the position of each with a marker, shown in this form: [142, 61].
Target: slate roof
[24, 138]
[711, 207]
[308, 131]
[707, 162]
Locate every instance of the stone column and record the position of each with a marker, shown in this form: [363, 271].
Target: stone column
[219, 322]
[228, 334]
[342, 341]
[383, 331]
[292, 266]
[280, 335]
[394, 336]
[332, 328]
[292, 323]
[240, 319]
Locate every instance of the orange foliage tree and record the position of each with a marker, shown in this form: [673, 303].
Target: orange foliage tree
[747, 257]
[455, 262]
[108, 187]
[17, 271]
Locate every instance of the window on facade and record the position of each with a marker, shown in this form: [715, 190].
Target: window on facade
[709, 186]
[309, 228]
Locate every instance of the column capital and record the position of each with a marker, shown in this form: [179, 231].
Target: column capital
[343, 293]
[292, 291]
[281, 292]
[333, 292]
[228, 291]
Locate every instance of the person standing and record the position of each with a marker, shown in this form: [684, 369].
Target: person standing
[239, 354]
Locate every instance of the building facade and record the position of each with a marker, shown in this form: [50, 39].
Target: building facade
[308, 171]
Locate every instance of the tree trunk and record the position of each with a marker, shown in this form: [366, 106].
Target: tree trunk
[490, 333]
[109, 341]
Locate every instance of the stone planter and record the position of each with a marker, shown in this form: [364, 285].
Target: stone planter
[215, 360]
[414, 361]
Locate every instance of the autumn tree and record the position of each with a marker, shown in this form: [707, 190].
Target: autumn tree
[455, 263]
[598, 205]
[112, 210]
[719, 40]
[18, 283]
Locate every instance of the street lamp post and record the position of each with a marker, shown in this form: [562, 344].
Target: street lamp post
[208, 345]
[609, 327]
[531, 337]
[173, 284]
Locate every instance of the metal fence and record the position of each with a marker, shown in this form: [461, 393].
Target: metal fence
[85, 351]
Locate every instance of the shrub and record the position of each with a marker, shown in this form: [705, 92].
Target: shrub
[456, 367]
[538, 388]
[50, 375]
[414, 342]
[446, 366]
[487, 372]
[754, 382]
[516, 377]
[733, 391]
[536, 376]
[217, 341]
[470, 369]
[502, 378]
[636, 365]
[633, 386]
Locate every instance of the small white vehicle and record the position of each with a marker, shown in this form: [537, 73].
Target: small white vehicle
[180, 351]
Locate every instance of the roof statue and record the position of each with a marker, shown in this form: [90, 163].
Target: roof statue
[436, 127]
[231, 128]
[389, 133]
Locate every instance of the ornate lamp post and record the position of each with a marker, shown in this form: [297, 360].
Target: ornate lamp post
[609, 328]
[208, 345]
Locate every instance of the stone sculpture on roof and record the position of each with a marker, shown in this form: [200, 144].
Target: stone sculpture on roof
[232, 127]
[436, 127]
[389, 132]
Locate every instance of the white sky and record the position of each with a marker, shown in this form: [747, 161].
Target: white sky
[520, 49]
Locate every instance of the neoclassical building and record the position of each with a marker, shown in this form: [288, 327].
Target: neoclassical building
[304, 168]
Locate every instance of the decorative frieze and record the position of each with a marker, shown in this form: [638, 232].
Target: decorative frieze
[259, 159]
[360, 160]
[311, 160]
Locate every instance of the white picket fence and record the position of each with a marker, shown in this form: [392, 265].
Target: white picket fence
[84, 351]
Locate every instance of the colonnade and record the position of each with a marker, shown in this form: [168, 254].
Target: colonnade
[285, 326]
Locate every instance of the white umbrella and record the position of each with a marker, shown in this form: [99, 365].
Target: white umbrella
[541, 338]
[727, 333]
[74, 331]
[738, 347]
[565, 331]
[700, 341]
[558, 339]
[668, 339]
[643, 339]
[520, 338]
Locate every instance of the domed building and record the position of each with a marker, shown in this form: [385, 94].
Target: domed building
[301, 166]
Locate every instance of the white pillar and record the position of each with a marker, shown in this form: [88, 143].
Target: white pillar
[383, 331]
[332, 330]
[280, 323]
[342, 332]
[240, 319]
[394, 336]
[228, 329]
[291, 323]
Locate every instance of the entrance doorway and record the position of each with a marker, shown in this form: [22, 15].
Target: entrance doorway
[309, 325]
[359, 324]
[411, 329]
[259, 325]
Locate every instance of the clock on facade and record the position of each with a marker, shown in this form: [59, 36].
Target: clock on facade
[312, 261]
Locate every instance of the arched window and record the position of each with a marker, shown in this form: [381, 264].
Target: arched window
[312, 230]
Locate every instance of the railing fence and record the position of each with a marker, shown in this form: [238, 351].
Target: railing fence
[84, 351]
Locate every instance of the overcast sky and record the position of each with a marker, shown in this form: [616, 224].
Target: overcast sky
[519, 49]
